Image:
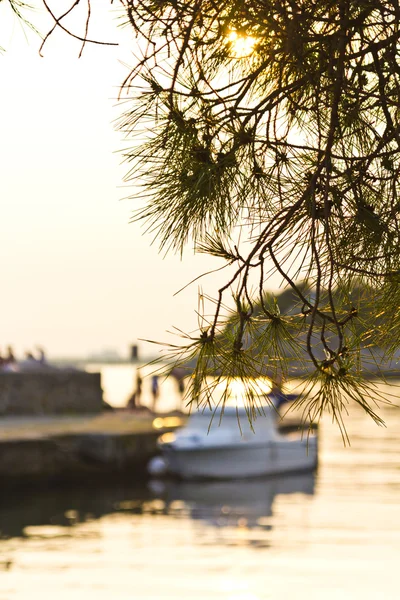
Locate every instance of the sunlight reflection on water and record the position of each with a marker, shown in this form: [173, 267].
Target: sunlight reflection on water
[334, 536]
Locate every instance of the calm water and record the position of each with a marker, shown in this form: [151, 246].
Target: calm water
[332, 535]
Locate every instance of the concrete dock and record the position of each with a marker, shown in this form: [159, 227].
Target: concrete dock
[46, 449]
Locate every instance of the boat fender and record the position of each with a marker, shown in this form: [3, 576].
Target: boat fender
[157, 466]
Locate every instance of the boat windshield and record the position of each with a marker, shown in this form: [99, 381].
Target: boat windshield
[230, 415]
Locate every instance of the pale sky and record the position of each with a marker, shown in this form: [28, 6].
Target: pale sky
[77, 278]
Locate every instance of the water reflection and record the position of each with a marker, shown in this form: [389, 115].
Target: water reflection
[22, 510]
[333, 537]
[240, 503]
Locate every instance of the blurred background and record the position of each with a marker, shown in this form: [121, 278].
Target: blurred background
[87, 287]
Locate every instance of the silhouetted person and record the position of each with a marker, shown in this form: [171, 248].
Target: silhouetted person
[8, 362]
[10, 357]
[155, 391]
[134, 400]
[131, 404]
[139, 382]
[179, 375]
[42, 357]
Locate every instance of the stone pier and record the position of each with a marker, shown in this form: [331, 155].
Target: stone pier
[47, 450]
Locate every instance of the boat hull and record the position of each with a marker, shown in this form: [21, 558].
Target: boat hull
[242, 461]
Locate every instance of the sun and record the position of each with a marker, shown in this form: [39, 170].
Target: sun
[242, 45]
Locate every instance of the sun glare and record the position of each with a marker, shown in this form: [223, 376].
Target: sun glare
[242, 45]
[237, 387]
[162, 423]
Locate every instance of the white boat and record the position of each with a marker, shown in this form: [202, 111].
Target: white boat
[223, 445]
